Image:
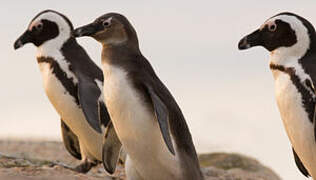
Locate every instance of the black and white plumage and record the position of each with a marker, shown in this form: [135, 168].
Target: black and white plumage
[291, 40]
[146, 117]
[72, 82]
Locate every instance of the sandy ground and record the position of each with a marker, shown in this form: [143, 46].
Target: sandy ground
[46, 160]
[41, 154]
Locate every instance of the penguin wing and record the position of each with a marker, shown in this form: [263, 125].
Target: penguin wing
[111, 149]
[104, 116]
[89, 93]
[70, 140]
[300, 165]
[162, 116]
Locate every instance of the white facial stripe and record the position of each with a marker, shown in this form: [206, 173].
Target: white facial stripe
[288, 56]
[63, 26]
[51, 48]
[298, 50]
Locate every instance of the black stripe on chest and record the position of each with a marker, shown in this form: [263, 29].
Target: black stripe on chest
[308, 100]
[68, 83]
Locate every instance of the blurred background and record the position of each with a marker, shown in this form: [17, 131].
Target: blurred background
[227, 96]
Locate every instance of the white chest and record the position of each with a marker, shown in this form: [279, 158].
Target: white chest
[290, 104]
[63, 102]
[297, 125]
[136, 125]
[70, 112]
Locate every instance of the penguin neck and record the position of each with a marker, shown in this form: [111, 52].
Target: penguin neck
[51, 48]
[305, 47]
[56, 60]
[281, 61]
[293, 68]
[120, 54]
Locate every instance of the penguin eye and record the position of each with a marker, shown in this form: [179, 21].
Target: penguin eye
[106, 23]
[39, 26]
[272, 28]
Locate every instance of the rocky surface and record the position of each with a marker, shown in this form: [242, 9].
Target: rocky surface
[225, 166]
[49, 160]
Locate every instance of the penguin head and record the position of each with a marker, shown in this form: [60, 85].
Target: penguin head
[286, 33]
[47, 28]
[109, 29]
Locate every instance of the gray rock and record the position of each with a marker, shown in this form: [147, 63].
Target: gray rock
[225, 166]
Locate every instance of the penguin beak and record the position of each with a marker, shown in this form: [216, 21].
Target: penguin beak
[87, 30]
[251, 40]
[23, 39]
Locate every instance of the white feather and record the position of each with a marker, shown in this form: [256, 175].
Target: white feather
[52, 47]
[282, 55]
[64, 103]
[63, 27]
[137, 127]
[70, 112]
[298, 126]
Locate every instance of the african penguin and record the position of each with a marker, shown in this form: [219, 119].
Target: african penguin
[291, 40]
[73, 84]
[147, 119]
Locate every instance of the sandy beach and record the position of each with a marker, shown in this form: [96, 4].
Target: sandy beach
[34, 159]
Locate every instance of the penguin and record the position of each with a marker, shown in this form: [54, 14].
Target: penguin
[291, 41]
[73, 83]
[147, 119]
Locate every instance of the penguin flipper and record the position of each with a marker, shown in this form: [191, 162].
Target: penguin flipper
[88, 93]
[70, 140]
[300, 165]
[104, 116]
[162, 116]
[111, 149]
